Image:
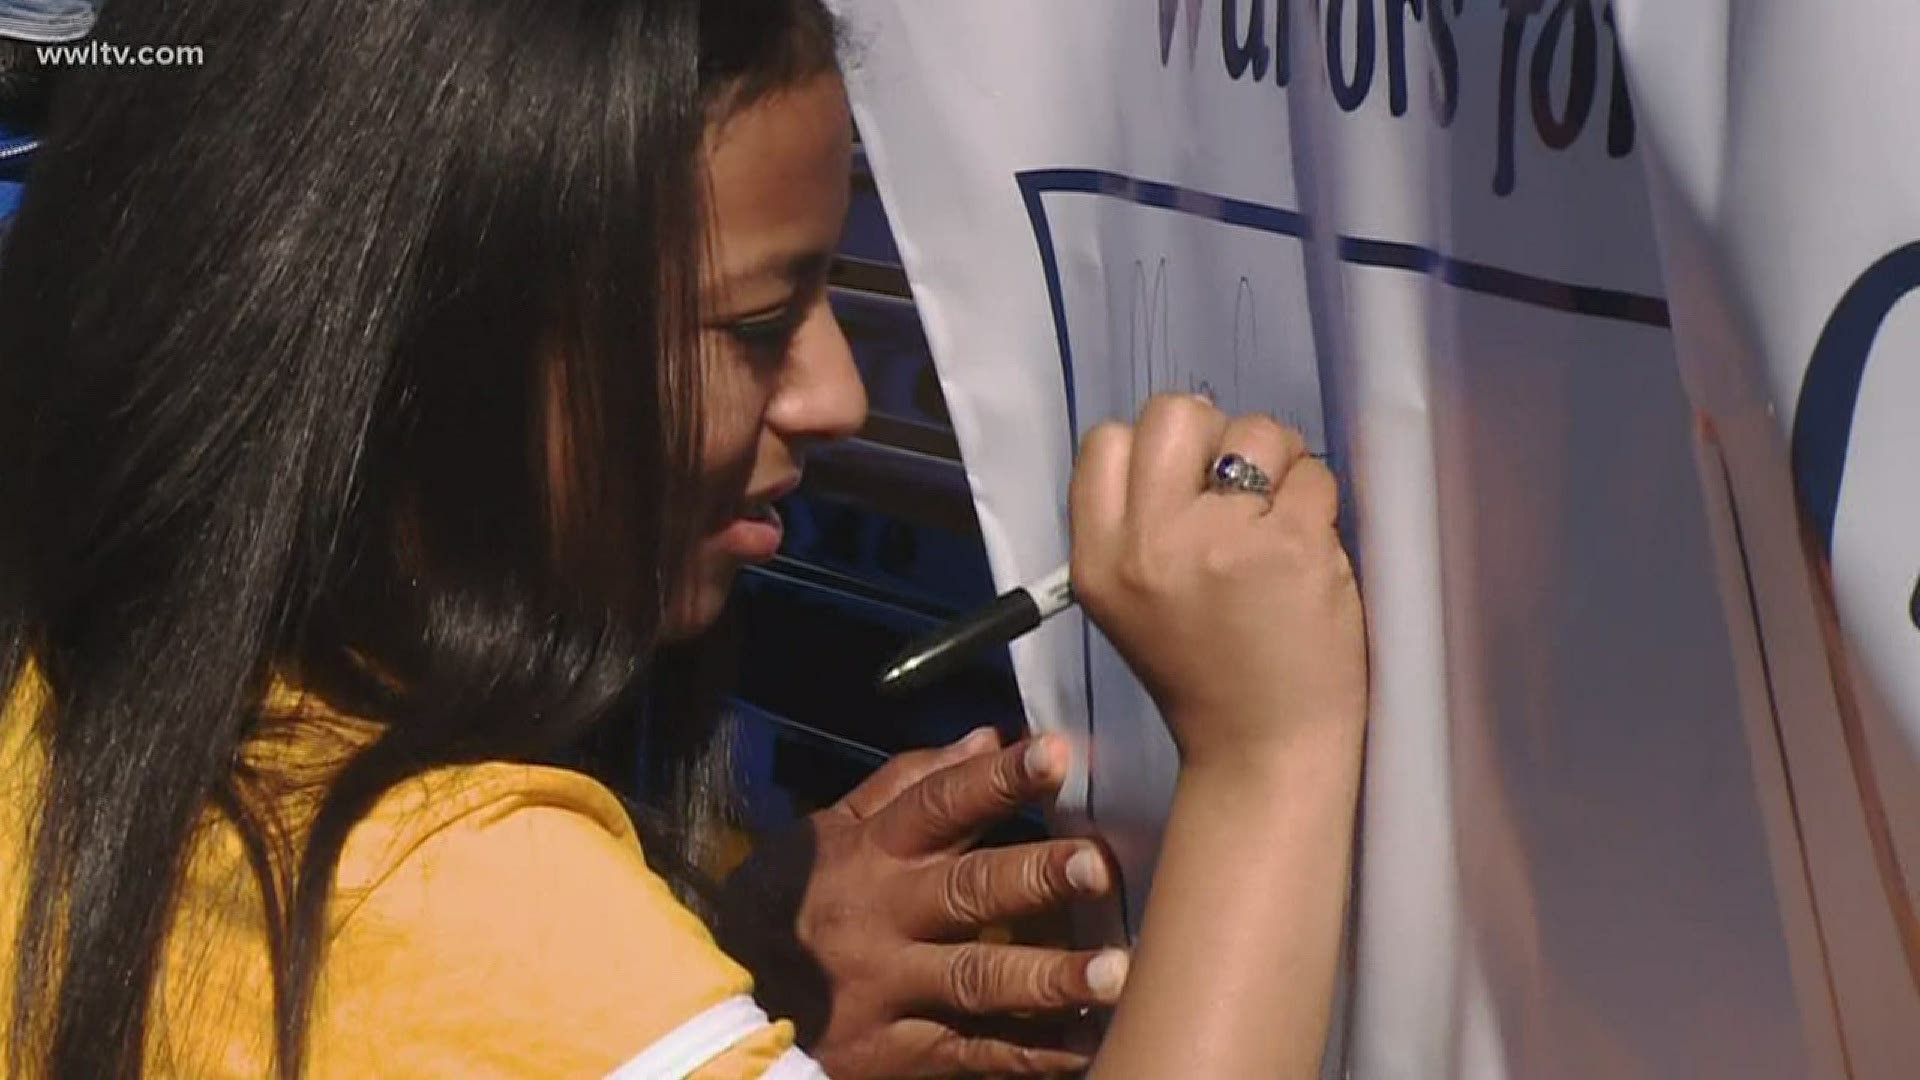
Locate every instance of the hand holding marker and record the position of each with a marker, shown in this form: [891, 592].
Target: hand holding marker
[1015, 613]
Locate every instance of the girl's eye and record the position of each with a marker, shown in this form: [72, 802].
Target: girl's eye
[766, 336]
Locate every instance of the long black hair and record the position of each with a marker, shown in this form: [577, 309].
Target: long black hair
[361, 356]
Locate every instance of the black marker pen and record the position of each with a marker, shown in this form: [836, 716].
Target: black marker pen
[1011, 615]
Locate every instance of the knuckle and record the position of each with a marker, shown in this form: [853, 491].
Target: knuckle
[1297, 549]
[1325, 486]
[1311, 496]
[1329, 573]
[822, 926]
[964, 899]
[1163, 401]
[1022, 1061]
[1181, 407]
[1007, 782]
[1315, 472]
[1043, 875]
[970, 979]
[949, 1048]
[979, 1055]
[1266, 429]
[939, 802]
[1142, 569]
[910, 762]
[1106, 437]
[1028, 1061]
[1050, 986]
[1220, 560]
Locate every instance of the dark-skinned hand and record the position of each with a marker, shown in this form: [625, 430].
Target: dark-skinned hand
[862, 922]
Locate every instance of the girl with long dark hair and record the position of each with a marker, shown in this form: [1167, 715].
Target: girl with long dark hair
[391, 400]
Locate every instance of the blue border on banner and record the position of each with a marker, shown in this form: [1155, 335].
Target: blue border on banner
[1481, 278]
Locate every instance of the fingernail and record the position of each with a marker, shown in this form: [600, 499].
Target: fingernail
[1044, 758]
[1107, 974]
[1087, 872]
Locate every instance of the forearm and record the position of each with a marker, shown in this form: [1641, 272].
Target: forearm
[1235, 967]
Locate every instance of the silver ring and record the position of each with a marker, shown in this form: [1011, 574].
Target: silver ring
[1233, 473]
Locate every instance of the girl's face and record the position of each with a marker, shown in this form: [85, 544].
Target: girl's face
[779, 373]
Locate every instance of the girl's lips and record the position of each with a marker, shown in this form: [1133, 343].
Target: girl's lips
[752, 531]
[754, 536]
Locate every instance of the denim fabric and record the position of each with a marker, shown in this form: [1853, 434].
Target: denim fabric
[46, 21]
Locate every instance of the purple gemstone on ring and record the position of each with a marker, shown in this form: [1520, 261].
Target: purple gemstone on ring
[1227, 469]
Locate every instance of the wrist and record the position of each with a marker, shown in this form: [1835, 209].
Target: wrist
[1323, 753]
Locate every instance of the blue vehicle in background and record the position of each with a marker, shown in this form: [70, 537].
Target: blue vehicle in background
[16, 148]
[24, 29]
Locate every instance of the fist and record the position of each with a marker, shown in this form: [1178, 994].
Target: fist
[1237, 610]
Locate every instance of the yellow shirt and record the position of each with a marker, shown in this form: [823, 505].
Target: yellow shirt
[487, 921]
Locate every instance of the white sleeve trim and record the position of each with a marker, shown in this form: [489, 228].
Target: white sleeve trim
[794, 1065]
[699, 1041]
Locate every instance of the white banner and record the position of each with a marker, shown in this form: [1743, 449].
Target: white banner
[1561, 287]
